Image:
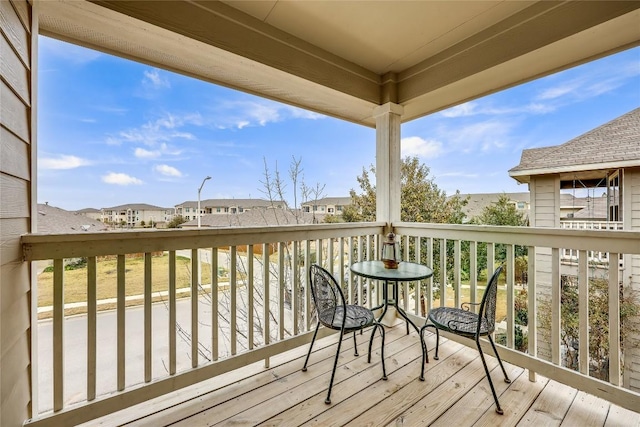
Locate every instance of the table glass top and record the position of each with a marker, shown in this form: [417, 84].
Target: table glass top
[406, 271]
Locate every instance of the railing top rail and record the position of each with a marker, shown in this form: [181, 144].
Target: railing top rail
[602, 240]
[50, 246]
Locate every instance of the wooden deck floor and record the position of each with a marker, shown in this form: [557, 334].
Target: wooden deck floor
[455, 393]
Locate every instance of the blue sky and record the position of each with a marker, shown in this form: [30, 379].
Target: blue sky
[112, 131]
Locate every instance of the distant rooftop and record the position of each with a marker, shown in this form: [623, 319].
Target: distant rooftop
[52, 220]
[615, 144]
[260, 217]
[240, 203]
[342, 201]
[137, 206]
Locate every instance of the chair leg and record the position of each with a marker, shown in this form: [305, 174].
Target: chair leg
[304, 368]
[355, 344]
[425, 357]
[373, 333]
[495, 350]
[437, 340]
[486, 370]
[335, 365]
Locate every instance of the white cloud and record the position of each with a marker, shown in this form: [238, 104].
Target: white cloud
[141, 153]
[462, 110]
[480, 136]
[62, 162]
[154, 79]
[459, 175]
[245, 113]
[160, 131]
[120, 179]
[425, 148]
[167, 170]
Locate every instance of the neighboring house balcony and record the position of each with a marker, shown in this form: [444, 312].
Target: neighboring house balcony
[222, 355]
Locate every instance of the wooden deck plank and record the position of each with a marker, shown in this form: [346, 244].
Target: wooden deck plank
[316, 387]
[551, 406]
[455, 392]
[366, 400]
[157, 411]
[254, 390]
[618, 416]
[478, 400]
[586, 410]
[515, 401]
[432, 405]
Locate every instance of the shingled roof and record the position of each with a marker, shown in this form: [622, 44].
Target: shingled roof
[259, 217]
[52, 220]
[615, 144]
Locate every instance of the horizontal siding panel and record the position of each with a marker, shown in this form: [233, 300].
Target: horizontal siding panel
[24, 13]
[14, 198]
[14, 114]
[15, 155]
[16, 277]
[15, 323]
[14, 71]
[10, 247]
[17, 399]
[14, 30]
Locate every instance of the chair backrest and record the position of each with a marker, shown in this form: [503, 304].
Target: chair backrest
[488, 304]
[326, 293]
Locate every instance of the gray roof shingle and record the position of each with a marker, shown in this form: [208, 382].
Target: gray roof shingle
[52, 220]
[614, 142]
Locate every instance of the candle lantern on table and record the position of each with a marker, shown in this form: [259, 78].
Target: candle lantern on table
[390, 251]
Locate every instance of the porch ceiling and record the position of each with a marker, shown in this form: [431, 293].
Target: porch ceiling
[345, 58]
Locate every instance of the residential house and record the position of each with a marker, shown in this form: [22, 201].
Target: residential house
[377, 64]
[255, 217]
[189, 209]
[605, 159]
[135, 214]
[327, 205]
[52, 220]
[477, 202]
[93, 213]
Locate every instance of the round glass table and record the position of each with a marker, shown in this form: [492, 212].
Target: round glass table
[406, 272]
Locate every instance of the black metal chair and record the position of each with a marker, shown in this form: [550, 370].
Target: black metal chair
[461, 321]
[333, 312]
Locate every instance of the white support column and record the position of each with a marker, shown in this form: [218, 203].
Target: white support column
[388, 161]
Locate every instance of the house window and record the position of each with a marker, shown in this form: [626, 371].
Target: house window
[339, 208]
[233, 210]
[330, 210]
[217, 209]
[520, 205]
[226, 209]
[240, 210]
[186, 209]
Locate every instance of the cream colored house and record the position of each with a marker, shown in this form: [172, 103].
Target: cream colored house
[189, 209]
[377, 64]
[326, 205]
[606, 158]
[134, 214]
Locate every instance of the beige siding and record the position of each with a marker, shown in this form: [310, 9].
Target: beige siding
[545, 196]
[15, 209]
[631, 218]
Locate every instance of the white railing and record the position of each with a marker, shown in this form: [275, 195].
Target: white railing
[542, 247]
[571, 255]
[222, 326]
[591, 225]
[241, 329]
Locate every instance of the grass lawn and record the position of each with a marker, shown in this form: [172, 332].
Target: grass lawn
[75, 281]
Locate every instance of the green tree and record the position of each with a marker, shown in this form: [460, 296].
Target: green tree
[420, 201]
[176, 221]
[502, 212]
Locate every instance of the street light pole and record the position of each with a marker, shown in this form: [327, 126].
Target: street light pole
[199, 190]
